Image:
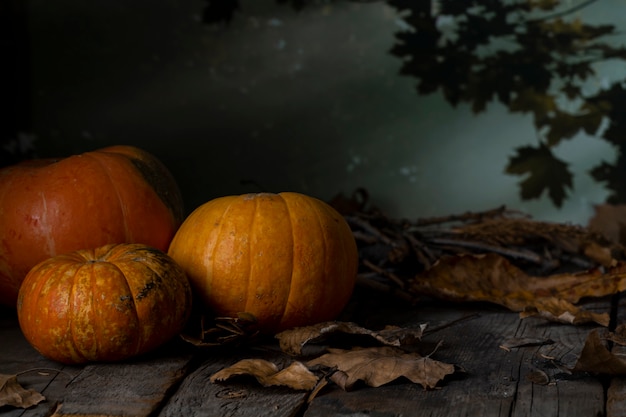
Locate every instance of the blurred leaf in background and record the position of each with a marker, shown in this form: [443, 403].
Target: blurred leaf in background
[532, 56]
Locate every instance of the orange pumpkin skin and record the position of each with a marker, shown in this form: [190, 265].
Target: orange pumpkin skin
[289, 259]
[119, 194]
[104, 304]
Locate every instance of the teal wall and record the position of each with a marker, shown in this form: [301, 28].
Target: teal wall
[308, 102]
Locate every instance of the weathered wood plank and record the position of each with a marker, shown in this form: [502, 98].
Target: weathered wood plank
[485, 387]
[495, 382]
[197, 396]
[134, 388]
[561, 394]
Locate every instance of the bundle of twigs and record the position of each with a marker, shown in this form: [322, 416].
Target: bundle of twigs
[392, 251]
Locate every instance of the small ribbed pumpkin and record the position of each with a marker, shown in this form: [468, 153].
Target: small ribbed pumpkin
[105, 304]
[289, 259]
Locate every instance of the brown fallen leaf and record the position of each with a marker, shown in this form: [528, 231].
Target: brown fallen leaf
[296, 376]
[608, 220]
[619, 335]
[377, 366]
[13, 394]
[561, 311]
[491, 277]
[293, 340]
[596, 357]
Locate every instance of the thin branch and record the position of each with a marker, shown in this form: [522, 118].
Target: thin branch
[387, 274]
[564, 12]
[364, 281]
[498, 212]
[513, 253]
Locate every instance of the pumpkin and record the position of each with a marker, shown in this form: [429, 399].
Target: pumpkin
[288, 259]
[103, 304]
[119, 194]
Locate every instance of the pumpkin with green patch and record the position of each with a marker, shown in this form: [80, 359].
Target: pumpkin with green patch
[119, 194]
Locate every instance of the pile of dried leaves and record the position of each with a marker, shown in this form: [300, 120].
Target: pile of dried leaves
[499, 256]
[391, 358]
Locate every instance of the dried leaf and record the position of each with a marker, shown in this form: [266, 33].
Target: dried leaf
[13, 394]
[293, 340]
[491, 277]
[295, 376]
[619, 335]
[608, 220]
[380, 365]
[596, 357]
[561, 311]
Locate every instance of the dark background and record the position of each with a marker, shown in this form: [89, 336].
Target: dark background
[307, 101]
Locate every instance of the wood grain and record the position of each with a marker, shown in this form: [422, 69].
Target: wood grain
[491, 381]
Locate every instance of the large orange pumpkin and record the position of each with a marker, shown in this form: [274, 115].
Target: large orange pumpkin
[289, 259]
[103, 304]
[119, 194]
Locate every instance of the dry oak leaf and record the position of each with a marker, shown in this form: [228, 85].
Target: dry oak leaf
[295, 376]
[491, 277]
[13, 394]
[377, 366]
[293, 340]
[596, 357]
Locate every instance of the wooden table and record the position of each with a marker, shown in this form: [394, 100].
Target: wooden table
[491, 381]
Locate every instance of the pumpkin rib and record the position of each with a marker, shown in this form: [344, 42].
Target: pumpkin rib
[207, 284]
[35, 314]
[69, 336]
[218, 237]
[118, 257]
[132, 304]
[73, 343]
[270, 282]
[325, 268]
[290, 292]
[348, 247]
[248, 251]
[158, 283]
[210, 253]
[291, 307]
